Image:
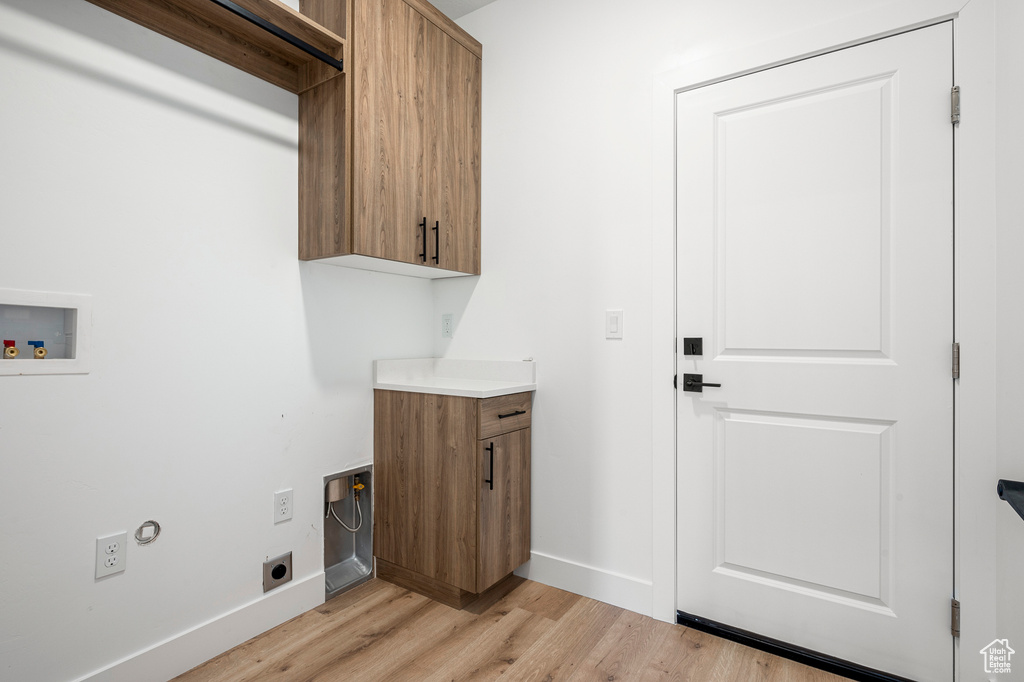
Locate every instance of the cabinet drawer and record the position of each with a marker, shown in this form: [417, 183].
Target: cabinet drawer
[504, 413]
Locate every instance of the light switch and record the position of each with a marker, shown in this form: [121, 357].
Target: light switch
[613, 324]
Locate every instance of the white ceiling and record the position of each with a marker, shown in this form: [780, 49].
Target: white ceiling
[458, 8]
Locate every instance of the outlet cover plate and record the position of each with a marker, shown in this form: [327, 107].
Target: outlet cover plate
[277, 571]
[283, 504]
[111, 554]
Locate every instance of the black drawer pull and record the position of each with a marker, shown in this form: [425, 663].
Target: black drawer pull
[437, 239]
[512, 414]
[490, 481]
[423, 226]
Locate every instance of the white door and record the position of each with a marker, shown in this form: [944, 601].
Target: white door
[815, 233]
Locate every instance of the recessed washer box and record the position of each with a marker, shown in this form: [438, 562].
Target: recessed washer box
[62, 322]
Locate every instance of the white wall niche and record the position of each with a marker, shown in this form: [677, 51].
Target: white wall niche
[63, 322]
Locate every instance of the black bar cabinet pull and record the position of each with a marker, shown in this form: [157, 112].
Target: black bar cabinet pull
[423, 226]
[280, 33]
[437, 240]
[1012, 492]
[695, 383]
[490, 481]
[512, 414]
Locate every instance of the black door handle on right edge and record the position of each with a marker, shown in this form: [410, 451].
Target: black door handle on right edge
[694, 383]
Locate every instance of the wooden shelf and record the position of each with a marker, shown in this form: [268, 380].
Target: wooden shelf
[213, 30]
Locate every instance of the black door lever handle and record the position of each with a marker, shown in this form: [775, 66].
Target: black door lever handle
[694, 383]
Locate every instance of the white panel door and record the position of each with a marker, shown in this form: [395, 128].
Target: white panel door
[815, 232]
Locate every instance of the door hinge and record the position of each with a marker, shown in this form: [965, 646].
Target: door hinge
[954, 105]
[954, 619]
[956, 360]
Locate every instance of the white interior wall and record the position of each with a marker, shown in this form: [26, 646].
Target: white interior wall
[164, 184]
[1010, 210]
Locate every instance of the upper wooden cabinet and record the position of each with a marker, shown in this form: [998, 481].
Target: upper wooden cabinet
[390, 152]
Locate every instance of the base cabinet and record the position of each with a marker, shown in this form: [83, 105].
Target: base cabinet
[452, 513]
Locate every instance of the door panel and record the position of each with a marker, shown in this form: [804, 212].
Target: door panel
[459, 192]
[450, 484]
[504, 509]
[815, 260]
[429, 102]
[416, 140]
[426, 474]
[419, 130]
[400, 436]
[771, 497]
[826, 250]
[385, 137]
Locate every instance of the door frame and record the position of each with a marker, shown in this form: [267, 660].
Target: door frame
[975, 470]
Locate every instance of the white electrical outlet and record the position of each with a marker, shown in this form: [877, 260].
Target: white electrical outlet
[447, 324]
[283, 505]
[111, 554]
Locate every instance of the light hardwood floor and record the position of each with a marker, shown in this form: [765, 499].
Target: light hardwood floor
[520, 631]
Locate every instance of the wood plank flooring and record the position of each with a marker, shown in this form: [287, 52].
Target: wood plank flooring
[522, 630]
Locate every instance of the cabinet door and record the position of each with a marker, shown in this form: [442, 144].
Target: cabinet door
[504, 542]
[385, 146]
[458, 194]
[426, 476]
[416, 140]
[428, 98]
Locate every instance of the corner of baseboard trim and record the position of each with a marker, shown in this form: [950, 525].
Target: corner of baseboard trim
[184, 651]
[612, 588]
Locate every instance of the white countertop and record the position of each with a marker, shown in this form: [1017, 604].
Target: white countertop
[445, 376]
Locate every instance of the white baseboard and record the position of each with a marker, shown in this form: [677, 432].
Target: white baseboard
[185, 651]
[612, 588]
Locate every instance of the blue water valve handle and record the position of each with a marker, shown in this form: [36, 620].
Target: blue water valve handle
[38, 352]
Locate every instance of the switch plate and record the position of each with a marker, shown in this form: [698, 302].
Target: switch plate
[283, 504]
[447, 324]
[613, 324]
[111, 554]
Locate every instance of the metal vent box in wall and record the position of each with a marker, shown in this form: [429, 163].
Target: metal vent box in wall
[348, 556]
